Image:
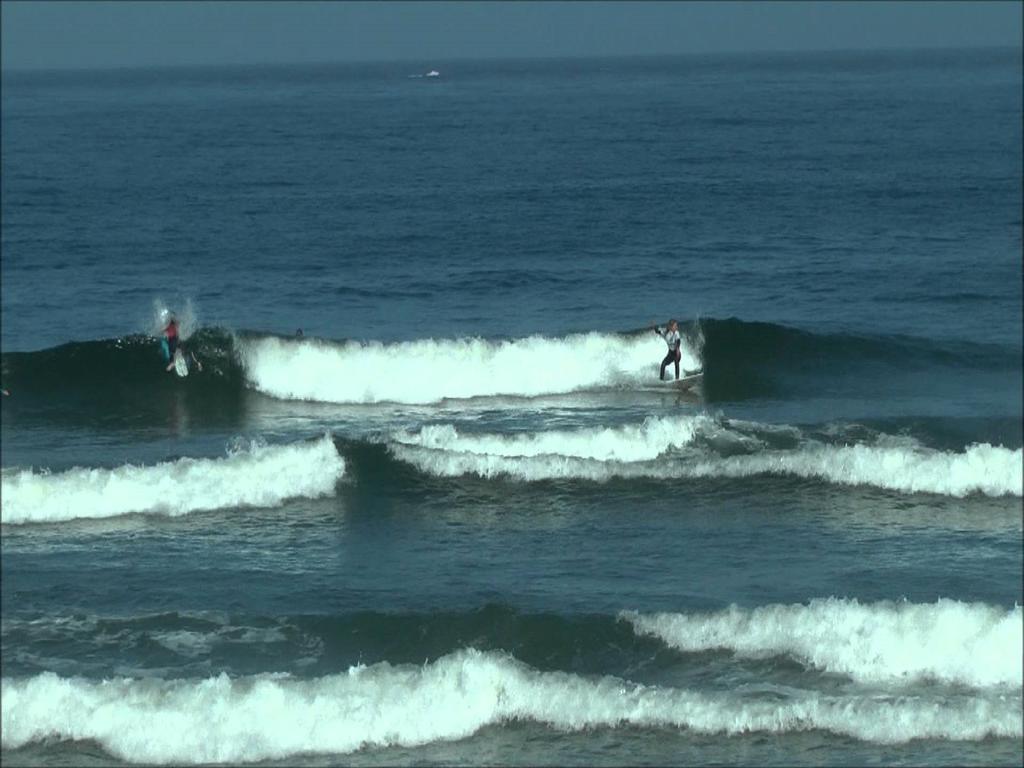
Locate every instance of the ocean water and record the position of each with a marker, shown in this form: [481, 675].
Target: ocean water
[459, 520]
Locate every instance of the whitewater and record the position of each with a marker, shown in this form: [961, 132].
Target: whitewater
[270, 716]
[432, 370]
[949, 641]
[427, 501]
[256, 475]
[657, 448]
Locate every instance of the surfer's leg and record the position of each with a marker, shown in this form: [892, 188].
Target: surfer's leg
[668, 359]
[675, 360]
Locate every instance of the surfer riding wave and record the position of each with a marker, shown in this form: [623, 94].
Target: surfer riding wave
[173, 348]
[671, 336]
[169, 342]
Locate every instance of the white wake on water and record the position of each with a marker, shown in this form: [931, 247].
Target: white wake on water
[259, 476]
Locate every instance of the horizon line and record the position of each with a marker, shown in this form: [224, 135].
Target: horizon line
[728, 53]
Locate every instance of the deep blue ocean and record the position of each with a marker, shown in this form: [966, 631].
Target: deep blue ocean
[427, 501]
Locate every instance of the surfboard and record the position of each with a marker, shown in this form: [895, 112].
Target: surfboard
[683, 384]
[689, 381]
[180, 364]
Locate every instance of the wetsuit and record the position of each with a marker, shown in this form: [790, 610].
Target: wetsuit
[170, 340]
[674, 342]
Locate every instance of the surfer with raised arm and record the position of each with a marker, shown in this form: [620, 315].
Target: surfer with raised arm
[674, 341]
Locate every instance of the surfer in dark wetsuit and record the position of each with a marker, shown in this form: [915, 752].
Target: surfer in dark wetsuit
[674, 341]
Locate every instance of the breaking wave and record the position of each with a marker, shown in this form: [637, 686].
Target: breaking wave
[273, 716]
[971, 644]
[741, 360]
[257, 476]
[629, 443]
[429, 370]
[701, 447]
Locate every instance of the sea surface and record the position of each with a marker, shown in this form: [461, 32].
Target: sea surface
[428, 502]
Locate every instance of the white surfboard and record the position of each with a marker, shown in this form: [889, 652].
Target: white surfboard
[685, 384]
[689, 381]
[180, 364]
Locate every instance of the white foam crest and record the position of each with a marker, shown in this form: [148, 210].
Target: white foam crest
[628, 443]
[981, 468]
[220, 720]
[260, 476]
[529, 468]
[971, 644]
[628, 452]
[430, 370]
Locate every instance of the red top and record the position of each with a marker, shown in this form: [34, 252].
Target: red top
[171, 331]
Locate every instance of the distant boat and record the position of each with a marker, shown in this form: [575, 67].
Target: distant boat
[433, 73]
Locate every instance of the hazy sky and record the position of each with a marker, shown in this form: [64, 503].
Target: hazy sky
[124, 34]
